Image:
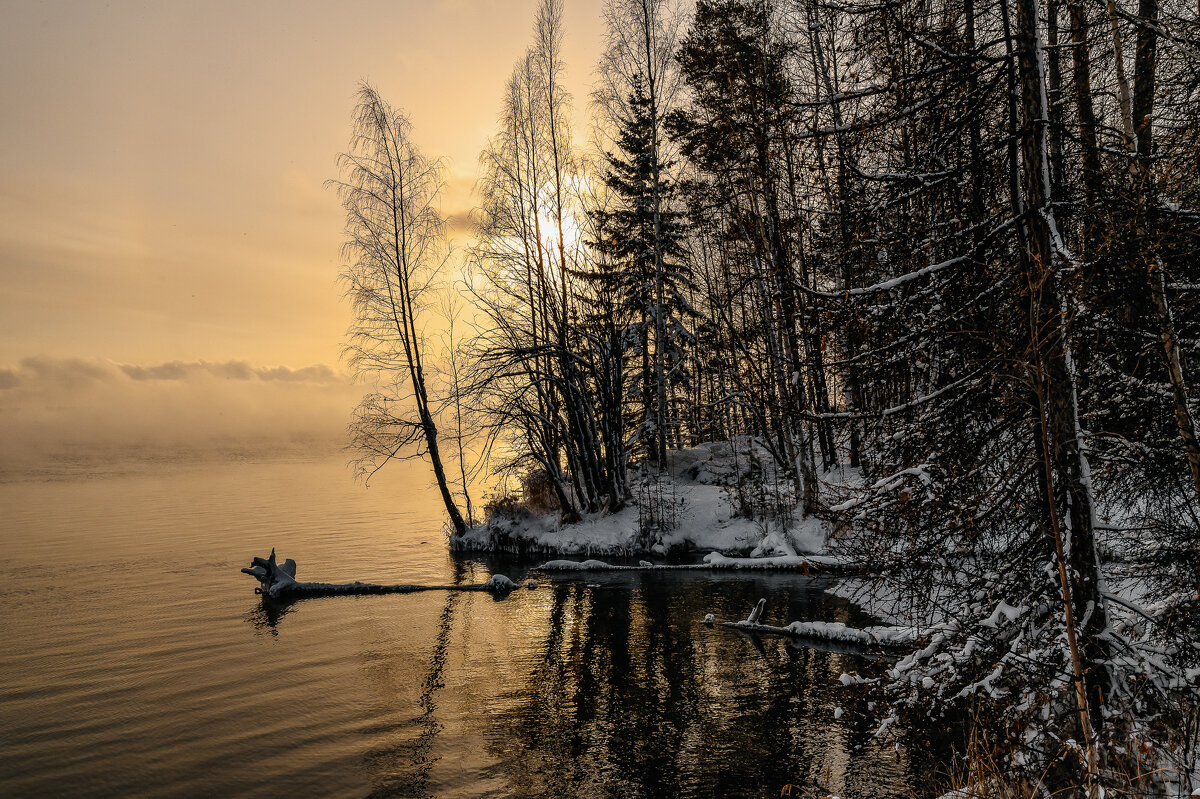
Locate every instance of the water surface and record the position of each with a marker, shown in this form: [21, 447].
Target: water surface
[138, 661]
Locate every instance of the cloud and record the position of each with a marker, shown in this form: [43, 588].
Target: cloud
[75, 373]
[320, 373]
[175, 370]
[231, 370]
[50, 406]
[65, 373]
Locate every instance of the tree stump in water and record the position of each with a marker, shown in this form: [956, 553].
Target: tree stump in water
[273, 576]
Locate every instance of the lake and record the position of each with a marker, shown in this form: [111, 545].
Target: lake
[139, 662]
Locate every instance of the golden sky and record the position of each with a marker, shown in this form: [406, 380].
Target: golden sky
[167, 250]
[161, 163]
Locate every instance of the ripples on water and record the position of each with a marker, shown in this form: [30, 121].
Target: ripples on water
[137, 660]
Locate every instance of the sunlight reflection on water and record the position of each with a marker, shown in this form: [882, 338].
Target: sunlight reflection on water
[139, 662]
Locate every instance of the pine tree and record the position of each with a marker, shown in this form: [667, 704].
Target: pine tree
[642, 235]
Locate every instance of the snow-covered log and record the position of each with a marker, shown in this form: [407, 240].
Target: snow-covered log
[279, 583]
[878, 637]
[715, 561]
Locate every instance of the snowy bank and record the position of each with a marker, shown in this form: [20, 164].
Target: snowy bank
[700, 490]
[715, 561]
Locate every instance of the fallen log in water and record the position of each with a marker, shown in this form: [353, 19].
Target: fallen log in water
[887, 637]
[715, 561]
[279, 582]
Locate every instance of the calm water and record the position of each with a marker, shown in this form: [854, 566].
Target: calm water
[138, 661]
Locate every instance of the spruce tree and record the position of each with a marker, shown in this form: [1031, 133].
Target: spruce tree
[642, 236]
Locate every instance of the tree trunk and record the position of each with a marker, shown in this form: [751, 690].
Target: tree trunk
[456, 517]
[1143, 110]
[1183, 415]
[1057, 401]
[1123, 94]
[1093, 180]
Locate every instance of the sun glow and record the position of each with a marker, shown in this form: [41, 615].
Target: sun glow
[572, 230]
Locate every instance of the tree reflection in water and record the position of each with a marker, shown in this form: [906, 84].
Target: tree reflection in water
[610, 685]
[632, 696]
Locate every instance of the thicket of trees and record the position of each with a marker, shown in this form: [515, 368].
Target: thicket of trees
[954, 244]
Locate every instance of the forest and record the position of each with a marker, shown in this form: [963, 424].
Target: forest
[947, 248]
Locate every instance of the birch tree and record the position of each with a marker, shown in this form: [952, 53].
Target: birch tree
[395, 246]
[530, 372]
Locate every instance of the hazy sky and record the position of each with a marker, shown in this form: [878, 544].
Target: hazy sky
[161, 163]
[161, 199]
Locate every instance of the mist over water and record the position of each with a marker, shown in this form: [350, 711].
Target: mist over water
[75, 415]
[138, 661]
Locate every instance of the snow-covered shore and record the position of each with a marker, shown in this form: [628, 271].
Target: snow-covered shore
[704, 508]
[715, 561]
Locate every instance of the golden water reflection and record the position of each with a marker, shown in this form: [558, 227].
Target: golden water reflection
[142, 664]
[616, 689]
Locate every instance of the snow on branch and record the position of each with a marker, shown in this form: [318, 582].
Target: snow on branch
[888, 285]
[886, 412]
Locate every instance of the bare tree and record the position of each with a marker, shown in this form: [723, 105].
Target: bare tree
[451, 307]
[395, 246]
[532, 376]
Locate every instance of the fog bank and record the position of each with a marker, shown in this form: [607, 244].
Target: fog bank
[56, 408]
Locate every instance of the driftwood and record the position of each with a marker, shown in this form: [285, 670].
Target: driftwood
[875, 638]
[279, 583]
[716, 562]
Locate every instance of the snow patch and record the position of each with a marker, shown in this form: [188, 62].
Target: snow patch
[500, 582]
[701, 479]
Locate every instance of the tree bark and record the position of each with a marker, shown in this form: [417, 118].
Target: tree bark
[1081, 74]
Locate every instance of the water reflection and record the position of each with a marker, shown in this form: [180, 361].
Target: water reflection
[622, 692]
[405, 770]
[633, 698]
[118, 682]
[265, 615]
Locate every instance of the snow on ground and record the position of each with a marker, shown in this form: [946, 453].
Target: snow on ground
[701, 480]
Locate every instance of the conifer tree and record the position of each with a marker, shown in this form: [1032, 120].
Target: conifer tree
[642, 236]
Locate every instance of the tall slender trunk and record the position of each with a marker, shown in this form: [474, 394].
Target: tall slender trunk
[1166, 326]
[1054, 109]
[660, 379]
[411, 337]
[820, 386]
[1143, 112]
[1056, 398]
[1123, 93]
[1093, 179]
[458, 422]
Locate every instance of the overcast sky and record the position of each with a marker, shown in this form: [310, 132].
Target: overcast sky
[165, 239]
[161, 163]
